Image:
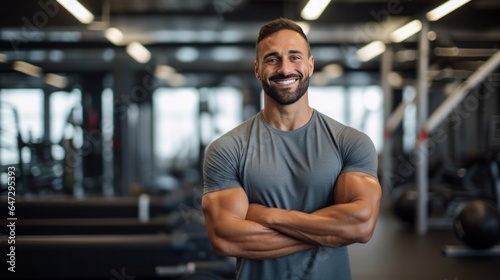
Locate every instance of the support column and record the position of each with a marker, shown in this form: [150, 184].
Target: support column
[122, 84]
[386, 68]
[92, 88]
[422, 179]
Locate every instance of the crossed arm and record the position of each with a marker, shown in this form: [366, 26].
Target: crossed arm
[237, 228]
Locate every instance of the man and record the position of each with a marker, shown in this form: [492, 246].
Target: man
[285, 191]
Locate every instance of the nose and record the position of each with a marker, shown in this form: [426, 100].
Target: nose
[285, 67]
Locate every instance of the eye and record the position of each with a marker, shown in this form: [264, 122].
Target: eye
[272, 60]
[296, 57]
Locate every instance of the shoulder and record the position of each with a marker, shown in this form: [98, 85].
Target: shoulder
[341, 132]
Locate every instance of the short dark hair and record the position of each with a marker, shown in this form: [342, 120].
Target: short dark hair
[278, 25]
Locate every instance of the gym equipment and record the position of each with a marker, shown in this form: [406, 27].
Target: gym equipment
[404, 205]
[66, 207]
[99, 226]
[105, 256]
[478, 224]
[11, 143]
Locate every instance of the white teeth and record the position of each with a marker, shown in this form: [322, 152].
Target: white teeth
[286, 82]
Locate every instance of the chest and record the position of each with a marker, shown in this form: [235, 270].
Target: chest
[291, 171]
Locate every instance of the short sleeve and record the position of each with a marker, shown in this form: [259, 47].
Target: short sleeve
[220, 166]
[358, 153]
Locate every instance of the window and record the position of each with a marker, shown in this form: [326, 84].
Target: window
[28, 105]
[175, 133]
[65, 113]
[180, 125]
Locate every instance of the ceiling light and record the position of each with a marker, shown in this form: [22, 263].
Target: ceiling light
[313, 9]
[406, 31]
[138, 52]
[230, 36]
[395, 80]
[177, 80]
[432, 35]
[77, 10]
[56, 80]
[164, 72]
[333, 71]
[370, 51]
[187, 54]
[227, 54]
[27, 68]
[114, 35]
[445, 9]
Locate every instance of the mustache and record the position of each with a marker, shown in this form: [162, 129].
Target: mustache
[281, 77]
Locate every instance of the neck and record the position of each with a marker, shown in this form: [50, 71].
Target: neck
[287, 117]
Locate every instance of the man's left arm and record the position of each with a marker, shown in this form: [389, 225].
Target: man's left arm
[351, 219]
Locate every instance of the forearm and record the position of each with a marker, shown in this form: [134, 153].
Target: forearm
[232, 235]
[350, 219]
[332, 226]
[247, 239]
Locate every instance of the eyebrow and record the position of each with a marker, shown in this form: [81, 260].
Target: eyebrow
[277, 54]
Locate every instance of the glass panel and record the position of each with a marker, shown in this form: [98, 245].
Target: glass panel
[65, 112]
[366, 111]
[329, 101]
[226, 105]
[176, 137]
[29, 105]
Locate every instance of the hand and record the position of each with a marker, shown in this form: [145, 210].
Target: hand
[257, 213]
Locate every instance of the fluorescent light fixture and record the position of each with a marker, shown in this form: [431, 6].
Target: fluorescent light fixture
[406, 31]
[114, 35]
[227, 54]
[177, 80]
[3, 57]
[164, 72]
[445, 9]
[313, 9]
[27, 68]
[333, 71]
[227, 36]
[138, 52]
[77, 10]
[56, 80]
[187, 54]
[370, 51]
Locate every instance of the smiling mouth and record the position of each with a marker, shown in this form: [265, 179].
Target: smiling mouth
[286, 81]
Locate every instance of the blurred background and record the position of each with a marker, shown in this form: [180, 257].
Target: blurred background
[106, 108]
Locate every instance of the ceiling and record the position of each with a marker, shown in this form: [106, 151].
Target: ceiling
[218, 36]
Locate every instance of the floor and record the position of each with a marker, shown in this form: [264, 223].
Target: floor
[397, 252]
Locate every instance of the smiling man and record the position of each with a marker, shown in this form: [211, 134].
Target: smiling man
[288, 189]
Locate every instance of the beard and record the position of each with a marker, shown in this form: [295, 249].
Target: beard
[286, 96]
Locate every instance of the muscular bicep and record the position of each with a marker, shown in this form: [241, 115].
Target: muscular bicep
[230, 203]
[363, 192]
[224, 208]
[357, 186]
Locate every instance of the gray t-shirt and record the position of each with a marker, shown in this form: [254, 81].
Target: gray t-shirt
[293, 170]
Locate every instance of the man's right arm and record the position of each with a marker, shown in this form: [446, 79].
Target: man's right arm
[232, 235]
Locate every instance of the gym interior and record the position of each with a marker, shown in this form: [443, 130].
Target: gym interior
[106, 112]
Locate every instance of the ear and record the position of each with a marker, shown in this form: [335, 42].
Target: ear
[311, 65]
[256, 69]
